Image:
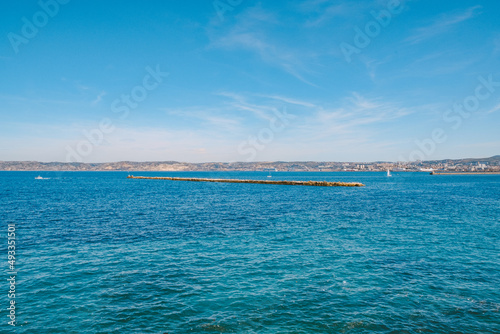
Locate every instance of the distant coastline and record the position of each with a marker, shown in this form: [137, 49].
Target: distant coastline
[456, 166]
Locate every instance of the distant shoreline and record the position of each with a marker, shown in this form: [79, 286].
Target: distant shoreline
[446, 165]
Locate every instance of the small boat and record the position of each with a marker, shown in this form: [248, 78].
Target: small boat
[41, 178]
[269, 170]
[388, 173]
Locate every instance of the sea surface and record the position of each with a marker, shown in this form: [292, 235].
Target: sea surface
[99, 253]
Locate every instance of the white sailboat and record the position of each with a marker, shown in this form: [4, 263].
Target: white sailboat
[388, 173]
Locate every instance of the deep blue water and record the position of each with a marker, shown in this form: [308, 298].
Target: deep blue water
[99, 253]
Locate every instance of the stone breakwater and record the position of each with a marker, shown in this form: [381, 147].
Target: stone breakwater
[291, 183]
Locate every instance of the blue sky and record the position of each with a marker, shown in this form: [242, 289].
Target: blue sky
[249, 80]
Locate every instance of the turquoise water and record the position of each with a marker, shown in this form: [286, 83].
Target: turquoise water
[99, 253]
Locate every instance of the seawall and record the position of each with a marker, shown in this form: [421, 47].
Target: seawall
[291, 183]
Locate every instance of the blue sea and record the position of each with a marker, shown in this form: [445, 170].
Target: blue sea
[99, 253]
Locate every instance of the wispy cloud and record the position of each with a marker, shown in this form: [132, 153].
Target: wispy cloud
[209, 118]
[290, 100]
[98, 98]
[323, 12]
[239, 102]
[443, 24]
[443, 62]
[356, 123]
[317, 121]
[249, 33]
[349, 121]
[494, 109]
[328, 14]
[77, 84]
[429, 57]
[236, 112]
